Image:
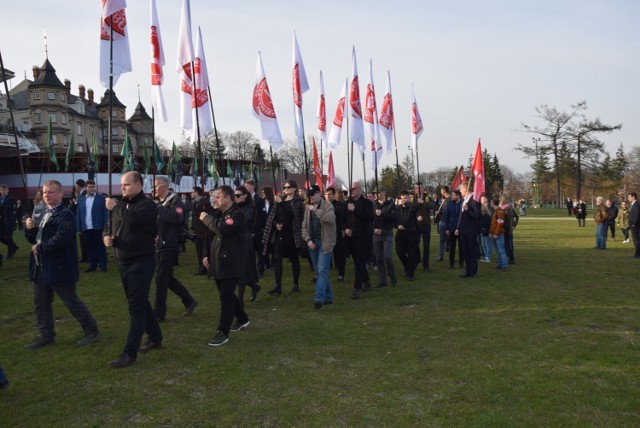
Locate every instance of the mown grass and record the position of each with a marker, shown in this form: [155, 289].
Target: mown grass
[552, 342]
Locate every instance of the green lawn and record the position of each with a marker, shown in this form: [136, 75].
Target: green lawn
[553, 342]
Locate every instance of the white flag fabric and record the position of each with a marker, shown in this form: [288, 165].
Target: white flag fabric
[157, 62]
[322, 115]
[200, 102]
[385, 118]
[416, 120]
[341, 113]
[300, 86]
[357, 127]
[114, 20]
[183, 66]
[263, 108]
[371, 121]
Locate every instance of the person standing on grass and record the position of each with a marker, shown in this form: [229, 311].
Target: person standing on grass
[408, 235]
[485, 237]
[623, 221]
[357, 231]
[225, 259]
[468, 230]
[612, 214]
[496, 232]
[441, 222]
[53, 267]
[634, 222]
[339, 250]
[601, 217]
[581, 213]
[92, 216]
[385, 220]
[511, 221]
[200, 204]
[170, 227]
[450, 218]
[319, 232]
[7, 221]
[132, 232]
[250, 278]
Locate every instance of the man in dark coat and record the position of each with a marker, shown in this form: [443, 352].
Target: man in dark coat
[468, 230]
[7, 221]
[357, 235]
[634, 222]
[225, 259]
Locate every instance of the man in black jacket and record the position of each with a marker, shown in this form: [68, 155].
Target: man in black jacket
[408, 236]
[53, 268]
[357, 236]
[200, 232]
[7, 221]
[225, 260]
[132, 232]
[468, 230]
[339, 250]
[168, 242]
[384, 220]
[634, 222]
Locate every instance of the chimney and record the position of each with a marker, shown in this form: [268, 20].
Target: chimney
[90, 94]
[67, 84]
[36, 72]
[81, 92]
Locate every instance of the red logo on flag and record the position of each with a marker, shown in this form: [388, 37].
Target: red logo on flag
[156, 69]
[262, 100]
[322, 115]
[386, 113]
[354, 98]
[119, 22]
[297, 98]
[369, 105]
[337, 121]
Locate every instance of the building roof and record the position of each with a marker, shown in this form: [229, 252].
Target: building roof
[20, 95]
[140, 114]
[48, 76]
[105, 100]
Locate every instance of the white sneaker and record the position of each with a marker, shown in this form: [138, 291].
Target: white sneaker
[626, 241]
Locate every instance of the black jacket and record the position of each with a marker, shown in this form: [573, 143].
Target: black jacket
[170, 223]
[469, 221]
[133, 227]
[388, 218]
[407, 218]
[359, 220]
[227, 251]
[634, 215]
[57, 251]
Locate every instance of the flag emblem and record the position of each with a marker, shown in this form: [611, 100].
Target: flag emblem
[262, 100]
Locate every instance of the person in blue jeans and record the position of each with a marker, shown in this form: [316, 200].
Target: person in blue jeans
[3, 379]
[497, 234]
[319, 232]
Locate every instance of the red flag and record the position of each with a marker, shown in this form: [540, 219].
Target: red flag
[114, 20]
[458, 179]
[316, 165]
[157, 62]
[331, 176]
[416, 120]
[477, 169]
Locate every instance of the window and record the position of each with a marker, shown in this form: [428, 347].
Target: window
[51, 96]
[38, 118]
[115, 148]
[79, 129]
[114, 131]
[80, 149]
[36, 95]
[64, 119]
[65, 141]
[54, 139]
[122, 132]
[52, 117]
[114, 113]
[62, 97]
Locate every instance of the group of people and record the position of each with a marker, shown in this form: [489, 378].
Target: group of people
[608, 216]
[239, 235]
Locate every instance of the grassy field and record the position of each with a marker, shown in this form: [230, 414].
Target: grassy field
[552, 342]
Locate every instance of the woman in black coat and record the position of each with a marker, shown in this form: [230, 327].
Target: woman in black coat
[250, 274]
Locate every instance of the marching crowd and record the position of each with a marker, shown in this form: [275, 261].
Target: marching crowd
[239, 235]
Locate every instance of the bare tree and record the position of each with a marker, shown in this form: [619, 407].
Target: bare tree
[292, 157]
[241, 145]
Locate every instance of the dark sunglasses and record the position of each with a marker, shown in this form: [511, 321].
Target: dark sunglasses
[237, 195]
[287, 187]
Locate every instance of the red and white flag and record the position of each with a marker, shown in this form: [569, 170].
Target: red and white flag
[458, 179]
[331, 172]
[263, 108]
[114, 21]
[416, 121]
[157, 62]
[322, 114]
[300, 86]
[385, 117]
[183, 66]
[477, 169]
[316, 165]
[371, 120]
[341, 114]
[357, 127]
[200, 100]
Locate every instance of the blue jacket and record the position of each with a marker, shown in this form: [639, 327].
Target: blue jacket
[450, 215]
[57, 251]
[99, 213]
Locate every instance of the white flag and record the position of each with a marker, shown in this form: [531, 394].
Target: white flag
[114, 20]
[416, 120]
[157, 62]
[371, 120]
[357, 127]
[263, 108]
[322, 114]
[341, 113]
[183, 66]
[385, 117]
[300, 86]
[200, 104]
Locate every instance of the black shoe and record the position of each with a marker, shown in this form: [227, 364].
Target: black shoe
[439, 259]
[275, 290]
[254, 293]
[381, 285]
[317, 304]
[189, 309]
[219, 339]
[89, 338]
[426, 269]
[149, 346]
[356, 294]
[295, 289]
[83, 260]
[122, 361]
[366, 287]
[451, 267]
[90, 269]
[237, 326]
[314, 279]
[40, 342]
[411, 278]
[466, 275]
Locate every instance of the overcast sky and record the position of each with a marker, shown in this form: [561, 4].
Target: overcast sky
[479, 67]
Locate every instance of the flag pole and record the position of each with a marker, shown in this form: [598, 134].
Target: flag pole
[376, 171]
[154, 167]
[15, 134]
[215, 128]
[304, 147]
[273, 173]
[110, 122]
[364, 170]
[194, 97]
[395, 143]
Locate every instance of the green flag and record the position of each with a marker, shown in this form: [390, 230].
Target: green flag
[173, 160]
[129, 161]
[194, 168]
[71, 150]
[48, 144]
[147, 159]
[159, 159]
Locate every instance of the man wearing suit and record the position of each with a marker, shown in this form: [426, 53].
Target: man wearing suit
[468, 230]
[258, 227]
[91, 218]
[634, 222]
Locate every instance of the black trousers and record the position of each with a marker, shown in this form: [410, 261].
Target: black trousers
[355, 246]
[165, 261]
[43, 298]
[453, 241]
[635, 234]
[200, 243]
[408, 253]
[339, 255]
[469, 244]
[230, 305]
[136, 278]
[277, 262]
[426, 243]
[6, 237]
[96, 252]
